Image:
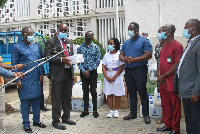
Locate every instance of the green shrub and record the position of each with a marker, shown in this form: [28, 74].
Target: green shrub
[2, 2]
[81, 40]
[47, 37]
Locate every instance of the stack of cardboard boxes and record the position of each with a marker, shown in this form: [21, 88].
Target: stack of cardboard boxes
[125, 103]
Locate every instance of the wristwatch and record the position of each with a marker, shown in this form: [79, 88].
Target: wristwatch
[164, 75]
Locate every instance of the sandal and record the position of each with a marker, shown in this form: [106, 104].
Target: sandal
[159, 122]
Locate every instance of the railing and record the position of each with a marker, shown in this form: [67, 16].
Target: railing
[109, 3]
[107, 30]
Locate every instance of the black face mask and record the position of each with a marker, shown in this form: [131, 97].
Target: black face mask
[88, 39]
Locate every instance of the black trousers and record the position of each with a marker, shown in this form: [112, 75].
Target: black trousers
[192, 116]
[136, 79]
[61, 93]
[89, 84]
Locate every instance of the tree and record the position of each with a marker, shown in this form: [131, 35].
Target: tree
[2, 2]
[81, 40]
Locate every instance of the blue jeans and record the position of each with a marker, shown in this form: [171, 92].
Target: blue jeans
[136, 79]
[35, 103]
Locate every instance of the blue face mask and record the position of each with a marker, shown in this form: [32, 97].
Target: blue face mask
[159, 36]
[186, 34]
[74, 66]
[163, 35]
[131, 33]
[111, 48]
[62, 35]
[30, 38]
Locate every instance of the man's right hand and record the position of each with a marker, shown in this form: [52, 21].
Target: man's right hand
[18, 74]
[126, 60]
[19, 85]
[87, 74]
[66, 61]
[19, 66]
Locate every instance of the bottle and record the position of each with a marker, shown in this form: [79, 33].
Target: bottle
[155, 93]
[80, 91]
[75, 91]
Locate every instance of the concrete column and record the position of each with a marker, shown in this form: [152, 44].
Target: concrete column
[93, 27]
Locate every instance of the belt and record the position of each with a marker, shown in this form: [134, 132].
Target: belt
[136, 67]
[112, 69]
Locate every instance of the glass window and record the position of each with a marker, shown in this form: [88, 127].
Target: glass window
[11, 41]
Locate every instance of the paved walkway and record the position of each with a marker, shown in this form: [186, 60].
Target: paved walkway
[87, 125]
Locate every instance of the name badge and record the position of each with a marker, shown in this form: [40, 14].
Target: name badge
[169, 59]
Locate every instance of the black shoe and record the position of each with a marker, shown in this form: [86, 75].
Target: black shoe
[85, 113]
[147, 120]
[30, 111]
[44, 108]
[39, 125]
[95, 114]
[28, 129]
[68, 121]
[174, 132]
[130, 116]
[58, 125]
[164, 129]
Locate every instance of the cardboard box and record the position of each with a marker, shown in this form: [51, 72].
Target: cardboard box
[124, 103]
[78, 104]
[76, 79]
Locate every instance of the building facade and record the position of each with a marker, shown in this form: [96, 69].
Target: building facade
[99, 16]
[44, 16]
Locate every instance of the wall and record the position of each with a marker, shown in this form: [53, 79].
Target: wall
[151, 14]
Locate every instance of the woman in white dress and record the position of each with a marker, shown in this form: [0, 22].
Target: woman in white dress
[112, 69]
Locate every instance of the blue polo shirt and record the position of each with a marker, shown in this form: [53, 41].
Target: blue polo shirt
[136, 48]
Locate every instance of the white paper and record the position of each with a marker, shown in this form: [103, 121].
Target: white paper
[77, 58]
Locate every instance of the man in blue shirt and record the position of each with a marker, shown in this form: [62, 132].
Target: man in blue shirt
[88, 72]
[29, 87]
[136, 52]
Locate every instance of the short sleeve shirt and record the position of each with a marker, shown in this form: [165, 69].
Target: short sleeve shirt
[169, 55]
[136, 48]
[112, 60]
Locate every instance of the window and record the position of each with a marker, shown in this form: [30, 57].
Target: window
[6, 45]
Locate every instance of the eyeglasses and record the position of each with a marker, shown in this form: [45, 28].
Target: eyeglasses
[64, 31]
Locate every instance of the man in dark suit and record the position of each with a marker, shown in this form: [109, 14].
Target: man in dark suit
[61, 75]
[187, 77]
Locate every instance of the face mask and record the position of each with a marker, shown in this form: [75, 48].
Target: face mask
[87, 39]
[159, 36]
[163, 35]
[30, 38]
[186, 34]
[62, 35]
[131, 33]
[74, 66]
[111, 48]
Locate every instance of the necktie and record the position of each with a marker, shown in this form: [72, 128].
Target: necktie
[64, 47]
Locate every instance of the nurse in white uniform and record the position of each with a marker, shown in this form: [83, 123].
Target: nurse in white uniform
[112, 69]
